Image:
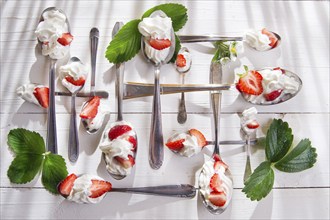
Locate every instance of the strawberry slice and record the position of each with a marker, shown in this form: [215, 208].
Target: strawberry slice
[279, 68]
[253, 125]
[159, 44]
[250, 83]
[118, 130]
[273, 39]
[215, 183]
[175, 145]
[218, 198]
[65, 39]
[65, 187]
[219, 163]
[273, 95]
[126, 163]
[200, 137]
[91, 109]
[180, 61]
[42, 95]
[133, 141]
[99, 187]
[79, 82]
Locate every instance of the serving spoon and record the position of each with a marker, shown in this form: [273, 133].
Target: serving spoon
[51, 116]
[156, 143]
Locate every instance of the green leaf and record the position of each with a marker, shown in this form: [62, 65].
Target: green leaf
[53, 172]
[24, 168]
[260, 183]
[126, 43]
[177, 48]
[302, 157]
[177, 12]
[22, 141]
[278, 140]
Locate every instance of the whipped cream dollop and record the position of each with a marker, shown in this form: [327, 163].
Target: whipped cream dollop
[96, 122]
[249, 116]
[81, 190]
[257, 40]
[274, 80]
[27, 92]
[118, 147]
[156, 27]
[190, 145]
[208, 171]
[76, 70]
[187, 56]
[49, 31]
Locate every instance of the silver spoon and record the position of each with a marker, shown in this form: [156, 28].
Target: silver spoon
[73, 133]
[182, 115]
[282, 98]
[51, 116]
[278, 42]
[119, 91]
[215, 77]
[94, 38]
[156, 143]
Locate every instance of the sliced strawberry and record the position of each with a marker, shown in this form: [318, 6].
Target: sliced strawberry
[273, 39]
[65, 187]
[99, 187]
[175, 145]
[159, 44]
[218, 164]
[126, 163]
[180, 61]
[253, 125]
[273, 95]
[42, 95]
[118, 130]
[66, 39]
[79, 82]
[91, 109]
[215, 183]
[216, 157]
[200, 137]
[218, 198]
[250, 83]
[133, 141]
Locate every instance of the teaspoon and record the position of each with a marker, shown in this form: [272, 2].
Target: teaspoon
[156, 143]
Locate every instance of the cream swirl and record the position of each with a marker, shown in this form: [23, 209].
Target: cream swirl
[26, 92]
[257, 40]
[248, 116]
[190, 144]
[76, 70]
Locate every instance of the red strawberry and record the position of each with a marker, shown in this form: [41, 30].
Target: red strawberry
[42, 95]
[253, 125]
[200, 137]
[159, 44]
[91, 109]
[79, 82]
[65, 39]
[66, 185]
[250, 83]
[180, 61]
[127, 163]
[216, 157]
[271, 36]
[218, 198]
[219, 163]
[118, 130]
[99, 187]
[175, 145]
[279, 68]
[133, 141]
[273, 95]
[215, 183]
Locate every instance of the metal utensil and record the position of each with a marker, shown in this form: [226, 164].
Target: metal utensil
[247, 145]
[102, 94]
[206, 38]
[279, 39]
[156, 143]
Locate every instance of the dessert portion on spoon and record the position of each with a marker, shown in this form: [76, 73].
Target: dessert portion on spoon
[34, 93]
[262, 40]
[268, 86]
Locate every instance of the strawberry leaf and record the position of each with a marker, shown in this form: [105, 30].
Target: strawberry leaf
[177, 48]
[24, 168]
[302, 157]
[260, 183]
[278, 140]
[53, 172]
[22, 141]
[126, 43]
[177, 13]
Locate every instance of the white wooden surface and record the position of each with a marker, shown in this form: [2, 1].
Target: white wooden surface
[304, 27]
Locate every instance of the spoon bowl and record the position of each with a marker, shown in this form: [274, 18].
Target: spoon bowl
[279, 39]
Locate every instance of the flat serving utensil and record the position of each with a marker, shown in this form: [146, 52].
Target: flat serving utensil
[100, 93]
[206, 38]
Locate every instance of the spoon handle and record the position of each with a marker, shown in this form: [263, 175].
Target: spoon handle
[183, 190]
[94, 38]
[182, 115]
[51, 116]
[156, 143]
[73, 134]
[248, 169]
